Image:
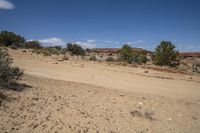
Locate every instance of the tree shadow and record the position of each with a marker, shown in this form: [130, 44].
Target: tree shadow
[14, 86]
[19, 87]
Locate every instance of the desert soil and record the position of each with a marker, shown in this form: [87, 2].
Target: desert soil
[81, 96]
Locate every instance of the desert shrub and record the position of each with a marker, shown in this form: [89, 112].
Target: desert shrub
[59, 48]
[46, 51]
[88, 50]
[10, 38]
[75, 49]
[33, 44]
[93, 58]
[8, 74]
[141, 59]
[53, 50]
[126, 54]
[63, 51]
[165, 54]
[110, 59]
[196, 67]
[13, 46]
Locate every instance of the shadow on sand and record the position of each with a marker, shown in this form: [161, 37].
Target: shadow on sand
[15, 86]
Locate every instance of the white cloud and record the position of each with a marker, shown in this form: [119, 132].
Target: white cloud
[87, 44]
[52, 42]
[5, 4]
[91, 41]
[129, 43]
[138, 41]
[108, 41]
[188, 48]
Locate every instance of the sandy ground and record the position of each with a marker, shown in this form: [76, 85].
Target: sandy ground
[80, 96]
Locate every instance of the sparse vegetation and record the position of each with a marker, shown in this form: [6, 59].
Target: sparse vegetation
[48, 51]
[165, 54]
[75, 49]
[196, 67]
[146, 115]
[53, 50]
[93, 58]
[13, 46]
[8, 73]
[88, 50]
[110, 59]
[33, 44]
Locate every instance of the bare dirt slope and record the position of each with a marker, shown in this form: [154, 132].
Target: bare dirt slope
[117, 77]
[61, 106]
[77, 96]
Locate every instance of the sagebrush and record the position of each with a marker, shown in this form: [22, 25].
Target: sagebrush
[8, 73]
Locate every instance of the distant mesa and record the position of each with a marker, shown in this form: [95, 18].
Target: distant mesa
[190, 54]
[117, 50]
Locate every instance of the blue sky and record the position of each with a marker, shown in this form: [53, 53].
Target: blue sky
[105, 23]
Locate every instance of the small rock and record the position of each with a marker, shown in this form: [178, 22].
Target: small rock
[121, 95]
[35, 126]
[65, 57]
[194, 118]
[140, 103]
[146, 71]
[60, 60]
[136, 113]
[189, 77]
[35, 98]
[169, 119]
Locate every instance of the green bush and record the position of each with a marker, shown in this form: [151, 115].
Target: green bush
[127, 55]
[165, 54]
[142, 59]
[33, 44]
[75, 49]
[8, 74]
[10, 38]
